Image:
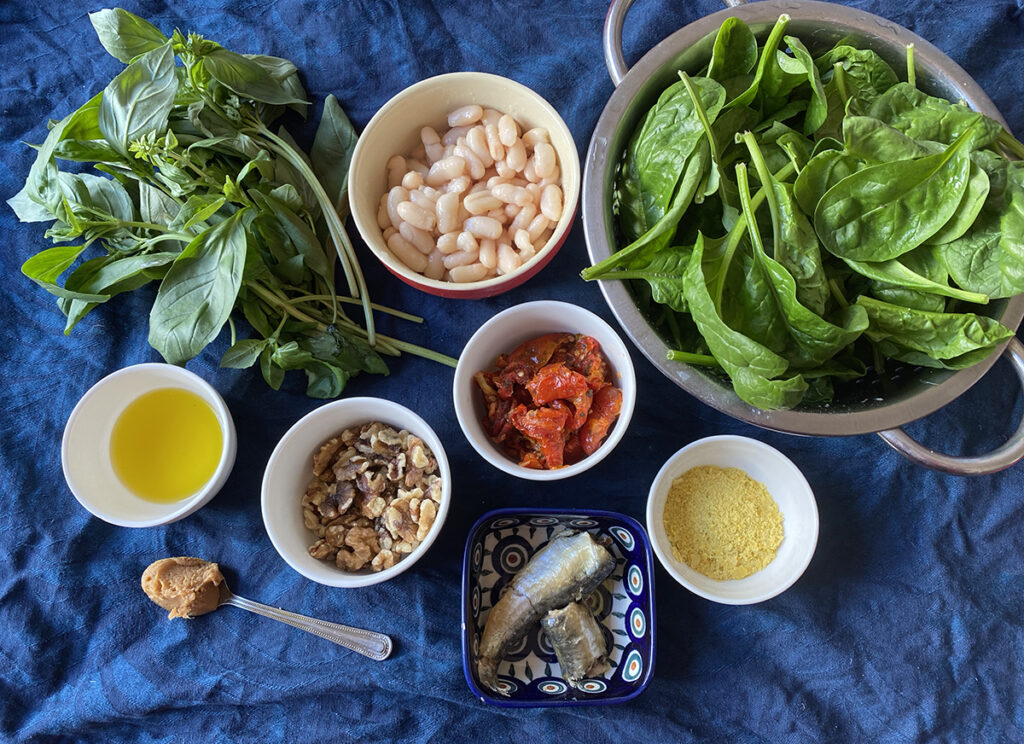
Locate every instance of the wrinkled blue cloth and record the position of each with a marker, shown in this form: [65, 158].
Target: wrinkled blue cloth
[908, 625]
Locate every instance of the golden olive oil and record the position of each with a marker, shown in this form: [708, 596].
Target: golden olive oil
[166, 445]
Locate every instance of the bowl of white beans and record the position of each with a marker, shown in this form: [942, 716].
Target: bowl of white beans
[465, 184]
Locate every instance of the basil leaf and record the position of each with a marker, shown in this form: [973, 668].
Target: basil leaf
[124, 34]
[27, 210]
[332, 149]
[244, 353]
[47, 265]
[273, 374]
[197, 294]
[246, 77]
[139, 100]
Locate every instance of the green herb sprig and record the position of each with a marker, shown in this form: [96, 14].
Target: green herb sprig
[192, 188]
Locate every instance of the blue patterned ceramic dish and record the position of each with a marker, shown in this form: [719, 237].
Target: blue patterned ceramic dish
[499, 545]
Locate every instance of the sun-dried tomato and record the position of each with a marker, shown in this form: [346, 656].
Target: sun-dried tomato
[546, 402]
[607, 404]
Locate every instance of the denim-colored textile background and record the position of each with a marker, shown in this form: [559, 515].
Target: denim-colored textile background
[908, 625]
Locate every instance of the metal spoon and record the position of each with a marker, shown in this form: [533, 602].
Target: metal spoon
[366, 642]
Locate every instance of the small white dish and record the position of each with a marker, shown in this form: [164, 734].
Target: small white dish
[789, 489]
[503, 333]
[85, 447]
[395, 130]
[290, 468]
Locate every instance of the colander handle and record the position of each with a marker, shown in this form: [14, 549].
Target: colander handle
[613, 22]
[1000, 459]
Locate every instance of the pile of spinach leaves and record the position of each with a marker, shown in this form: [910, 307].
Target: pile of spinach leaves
[794, 220]
[191, 188]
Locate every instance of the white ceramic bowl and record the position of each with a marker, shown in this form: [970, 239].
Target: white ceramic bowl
[85, 448]
[395, 130]
[788, 488]
[289, 470]
[503, 333]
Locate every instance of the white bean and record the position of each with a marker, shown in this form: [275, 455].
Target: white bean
[458, 185]
[477, 142]
[446, 169]
[396, 169]
[452, 135]
[435, 266]
[420, 153]
[476, 167]
[508, 261]
[388, 232]
[412, 180]
[539, 224]
[423, 198]
[418, 166]
[527, 253]
[432, 144]
[481, 201]
[534, 136]
[544, 159]
[497, 214]
[396, 196]
[488, 253]
[508, 130]
[522, 240]
[483, 227]
[523, 219]
[511, 210]
[421, 239]
[551, 203]
[535, 189]
[448, 243]
[554, 178]
[515, 156]
[472, 273]
[383, 219]
[494, 145]
[404, 251]
[512, 194]
[530, 171]
[465, 115]
[467, 243]
[417, 215]
[504, 169]
[447, 208]
[491, 117]
[462, 258]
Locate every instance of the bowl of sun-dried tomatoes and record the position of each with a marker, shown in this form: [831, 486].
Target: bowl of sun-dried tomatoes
[544, 390]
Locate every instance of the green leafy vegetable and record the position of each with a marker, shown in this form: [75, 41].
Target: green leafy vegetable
[191, 188]
[863, 215]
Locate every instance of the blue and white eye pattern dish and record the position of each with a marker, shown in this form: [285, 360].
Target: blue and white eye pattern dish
[500, 546]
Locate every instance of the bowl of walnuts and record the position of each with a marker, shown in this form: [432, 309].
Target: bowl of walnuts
[356, 492]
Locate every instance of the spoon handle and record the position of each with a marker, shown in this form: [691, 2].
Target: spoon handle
[366, 642]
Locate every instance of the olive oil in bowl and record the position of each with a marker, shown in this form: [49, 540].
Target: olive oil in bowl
[166, 445]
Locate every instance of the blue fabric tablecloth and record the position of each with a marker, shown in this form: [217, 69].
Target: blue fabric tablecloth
[908, 625]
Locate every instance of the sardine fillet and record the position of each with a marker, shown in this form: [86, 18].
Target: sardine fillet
[578, 641]
[568, 568]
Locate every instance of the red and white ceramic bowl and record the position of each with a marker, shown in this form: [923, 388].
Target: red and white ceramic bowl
[395, 130]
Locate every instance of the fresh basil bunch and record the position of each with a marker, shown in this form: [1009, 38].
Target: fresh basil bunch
[191, 188]
[796, 220]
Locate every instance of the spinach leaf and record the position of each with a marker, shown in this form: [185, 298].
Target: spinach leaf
[925, 117]
[124, 34]
[822, 172]
[874, 141]
[664, 273]
[886, 210]
[664, 143]
[767, 60]
[735, 51]
[197, 294]
[895, 271]
[989, 258]
[751, 365]
[139, 100]
[945, 340]
[968, 210]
